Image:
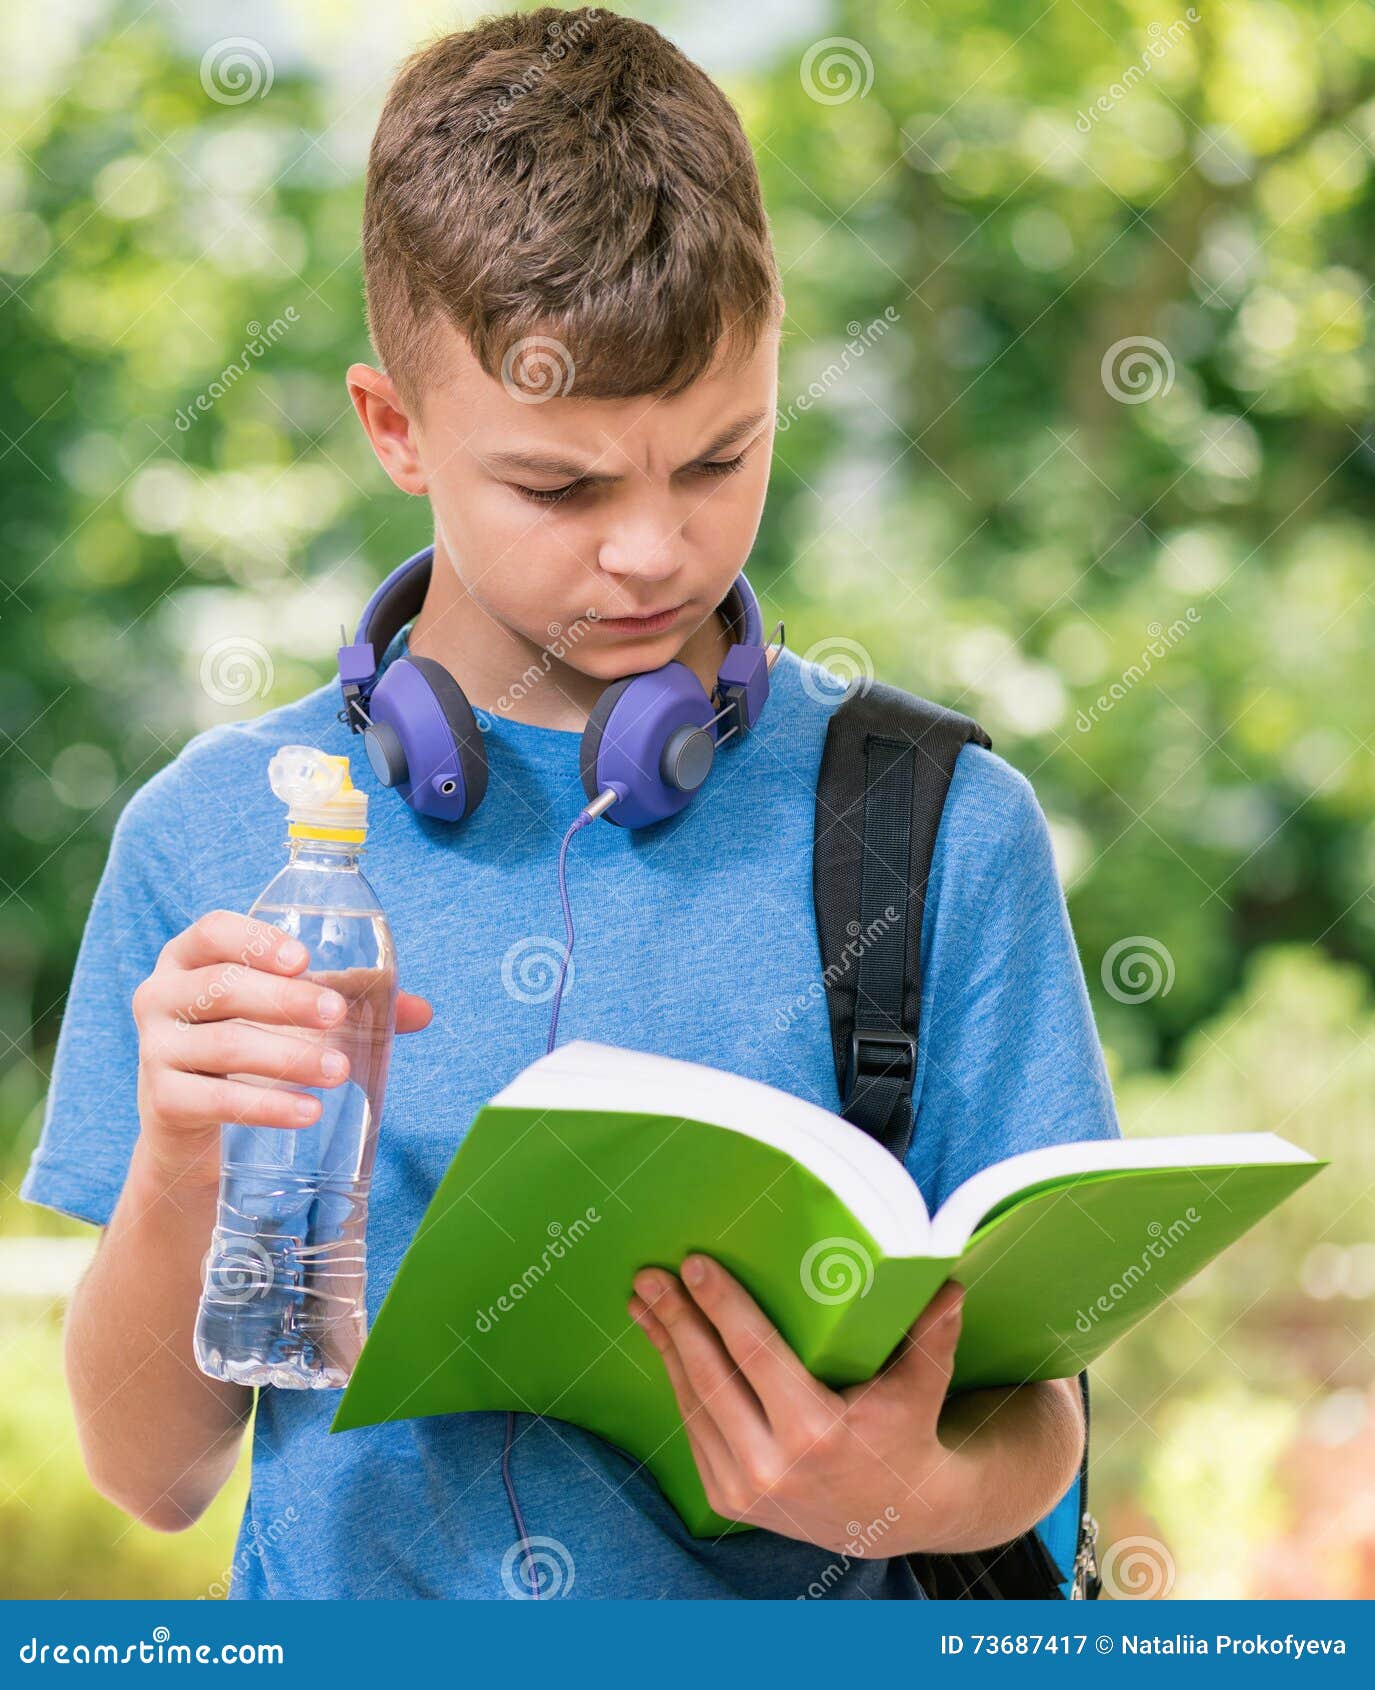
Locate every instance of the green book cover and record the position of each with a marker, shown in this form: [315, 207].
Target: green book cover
[597, 1161]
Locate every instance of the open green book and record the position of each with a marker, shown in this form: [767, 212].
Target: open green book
[597, 1161]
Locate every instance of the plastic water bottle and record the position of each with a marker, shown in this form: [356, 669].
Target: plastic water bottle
[283, 1298]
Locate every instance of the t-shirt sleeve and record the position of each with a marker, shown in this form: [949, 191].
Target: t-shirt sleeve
[1009, 1057]
[90, 1118]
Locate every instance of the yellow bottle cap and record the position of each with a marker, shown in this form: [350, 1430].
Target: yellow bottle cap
[318, 791]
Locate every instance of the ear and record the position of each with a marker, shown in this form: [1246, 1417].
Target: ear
[388, 426]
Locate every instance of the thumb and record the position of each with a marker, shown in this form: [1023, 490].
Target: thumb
[412, 1013]
[924, 1365]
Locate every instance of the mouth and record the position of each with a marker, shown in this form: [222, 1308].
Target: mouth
[654, 624]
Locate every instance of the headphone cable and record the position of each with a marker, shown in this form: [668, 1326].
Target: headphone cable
[589, 813]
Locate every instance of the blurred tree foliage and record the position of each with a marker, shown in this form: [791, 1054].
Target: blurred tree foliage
[1073, 436]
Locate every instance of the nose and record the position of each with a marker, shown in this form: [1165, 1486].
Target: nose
[645, 543]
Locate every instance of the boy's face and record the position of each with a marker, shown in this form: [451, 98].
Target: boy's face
[560, 515]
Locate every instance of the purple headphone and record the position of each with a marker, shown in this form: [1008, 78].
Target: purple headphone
[647, 747]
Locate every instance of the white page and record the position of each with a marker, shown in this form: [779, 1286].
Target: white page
[879, 1193]
[876, 1189]
[962, 1212]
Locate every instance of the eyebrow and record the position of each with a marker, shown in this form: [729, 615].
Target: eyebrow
[543, 463]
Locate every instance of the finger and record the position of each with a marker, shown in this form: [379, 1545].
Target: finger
[724, 1392]
[226, 936]
[923, 1366]
[709, 1448]
[197, 1100]
[241, 1049]
[755, 1344]
[237, 991]
[413, 1013]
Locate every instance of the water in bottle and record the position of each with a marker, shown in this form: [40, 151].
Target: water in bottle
[283, 1298]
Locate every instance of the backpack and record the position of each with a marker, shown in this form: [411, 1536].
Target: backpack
[885, 772]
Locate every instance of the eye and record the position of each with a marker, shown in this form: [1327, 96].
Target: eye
[720, 466]
[546, 495]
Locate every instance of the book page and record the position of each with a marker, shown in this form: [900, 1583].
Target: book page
[873, 1185]
[962, 1213]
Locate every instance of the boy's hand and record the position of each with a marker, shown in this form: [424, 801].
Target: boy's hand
[777, 1448]
[194, 1015]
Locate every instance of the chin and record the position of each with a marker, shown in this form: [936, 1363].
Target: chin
[630, 657]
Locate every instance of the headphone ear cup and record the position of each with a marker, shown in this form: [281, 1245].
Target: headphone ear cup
[592, 734]
[458, 713]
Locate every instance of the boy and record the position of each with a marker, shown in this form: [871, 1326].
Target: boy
[573, 296]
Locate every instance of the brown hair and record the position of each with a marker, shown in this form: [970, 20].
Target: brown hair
[568, 175]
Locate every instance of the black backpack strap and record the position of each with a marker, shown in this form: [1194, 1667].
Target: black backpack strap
[885, 772]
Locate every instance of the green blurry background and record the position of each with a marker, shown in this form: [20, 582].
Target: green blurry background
[1075, 394]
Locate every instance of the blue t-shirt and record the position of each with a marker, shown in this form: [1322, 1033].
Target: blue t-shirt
[696, 938]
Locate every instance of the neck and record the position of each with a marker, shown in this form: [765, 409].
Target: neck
[505, 674]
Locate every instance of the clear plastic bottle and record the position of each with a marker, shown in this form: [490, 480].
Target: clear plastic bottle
[283, 1298]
